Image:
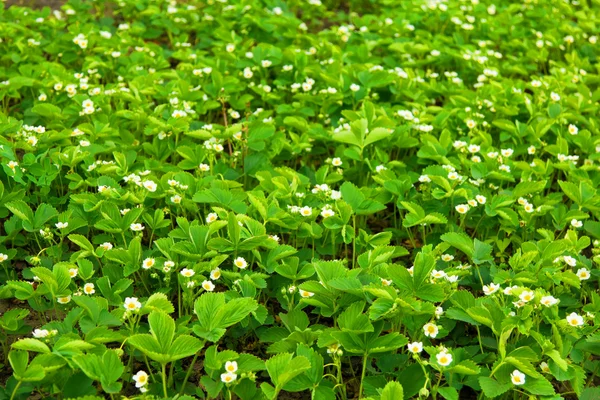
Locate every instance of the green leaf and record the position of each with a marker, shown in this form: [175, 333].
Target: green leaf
[162, 327]
[554, 110]
[19, 359]
[157, 302]
[392, 391]
[461, 241]
[46, 110]
[448, 392]
[539, 386]
[283, 367]
[492, 388]
[21, 210]
[214, 315]
[82, 242]
[482, 252]
[184, 346]
[466, 367]
[590, 394]
[31, 344]
[353, 320]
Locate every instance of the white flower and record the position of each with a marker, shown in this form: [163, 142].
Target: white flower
[178, 114]
[544, 367]
[240, 262]
[570, 261]
[215, 274]
[41, 333]
[444, 359]
[336, 162]
[424, 179]
[575, 319]
[204, 167]
[431, 330]
[73, 272]
[452, 175]
[576, 223]
[64, 300]
[306, 294]
[507, 152]
[106, 246]
[208, 286]
[230, 48]
[517, 377]
[231, 366]
[354, 87]
[435, 274]
[88, 288]
[473, 148]
[573, 130]
[509, 290]
[554, 96]
[141, 379]
[471, 124]
[228, 377]
[462, 208]
[548, 301]
[490, 289]
[62, 225]
[188, 273]
[447, 257]
[212, 217]
[335, 195]
[266, 63]
[132, 304]
[380, 168]
[3, 257]
[480, 199]
[148, 263]
[306, 211]
[150, 186]
[527, 296]
[415, 347]
[176, 199]
[583, 274]
[136, 227]
[327, 212]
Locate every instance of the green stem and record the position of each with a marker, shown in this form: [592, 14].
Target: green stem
[437, 385]
[187, 375]
[362, 376]
[164, 380]
[15, 390]
[354, 241]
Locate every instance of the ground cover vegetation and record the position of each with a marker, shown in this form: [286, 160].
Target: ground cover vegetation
[300, 200]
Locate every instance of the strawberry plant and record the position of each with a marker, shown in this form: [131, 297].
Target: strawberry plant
[299, 200]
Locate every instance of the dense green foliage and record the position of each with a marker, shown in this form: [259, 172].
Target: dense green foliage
[303, 199]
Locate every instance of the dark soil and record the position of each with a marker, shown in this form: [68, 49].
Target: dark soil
[54, 4]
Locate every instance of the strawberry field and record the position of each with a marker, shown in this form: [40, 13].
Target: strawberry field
[326, 200]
